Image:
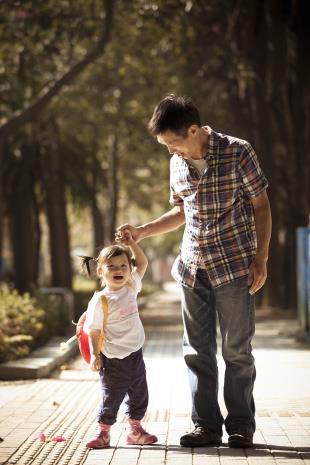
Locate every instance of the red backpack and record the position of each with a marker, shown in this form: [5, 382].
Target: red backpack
[82, 337]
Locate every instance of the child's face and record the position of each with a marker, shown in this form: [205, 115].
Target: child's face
[115, 272]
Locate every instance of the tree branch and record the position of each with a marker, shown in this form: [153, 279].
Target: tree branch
[28, 114]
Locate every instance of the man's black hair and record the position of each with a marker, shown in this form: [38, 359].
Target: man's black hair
[174, 113]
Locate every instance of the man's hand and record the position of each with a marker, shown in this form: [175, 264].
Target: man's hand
[122, 232]
[126, 237]
[257, 275]
[262, 217]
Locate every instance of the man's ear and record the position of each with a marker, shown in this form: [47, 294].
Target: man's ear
[193, 129]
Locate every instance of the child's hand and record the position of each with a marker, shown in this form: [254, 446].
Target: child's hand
[125, 237]
[134, 231]
[95, 362]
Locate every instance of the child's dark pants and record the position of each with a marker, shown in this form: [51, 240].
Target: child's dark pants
[119, 377]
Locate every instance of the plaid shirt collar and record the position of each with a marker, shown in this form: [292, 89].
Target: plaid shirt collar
[212, 149]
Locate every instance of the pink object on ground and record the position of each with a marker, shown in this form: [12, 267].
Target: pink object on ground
[58, 439]
[137, 435]
[41, 436]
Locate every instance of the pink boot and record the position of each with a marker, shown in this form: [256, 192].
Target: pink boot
[137, 435]
[102, 440]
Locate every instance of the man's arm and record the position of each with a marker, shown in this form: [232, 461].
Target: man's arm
[170, 221]
[262, 218]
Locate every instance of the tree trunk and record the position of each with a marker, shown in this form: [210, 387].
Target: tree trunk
[113, 185]
[257, 109]
[2, 213]
[290, 129]
[300, 100]
[23, 224]
[55, 202]
[98, 229]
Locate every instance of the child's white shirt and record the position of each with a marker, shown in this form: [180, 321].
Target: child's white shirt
[124, 332]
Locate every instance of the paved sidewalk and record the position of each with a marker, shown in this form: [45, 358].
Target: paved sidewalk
[66, 403]
[41, 362]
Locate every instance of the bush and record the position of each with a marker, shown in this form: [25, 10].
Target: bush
[22, 324]
[57, 319]
[81, 299]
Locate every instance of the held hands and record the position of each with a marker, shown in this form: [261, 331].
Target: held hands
[95, 362]
[126, 232]
[257, 275]
[126, 237]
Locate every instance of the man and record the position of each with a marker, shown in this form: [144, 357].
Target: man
[219, 191]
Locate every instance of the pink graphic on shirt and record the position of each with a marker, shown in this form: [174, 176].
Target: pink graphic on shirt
[130, 310]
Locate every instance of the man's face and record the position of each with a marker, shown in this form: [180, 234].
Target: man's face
[184, 147]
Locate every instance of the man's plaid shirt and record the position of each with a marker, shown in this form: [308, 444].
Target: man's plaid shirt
[219, 215]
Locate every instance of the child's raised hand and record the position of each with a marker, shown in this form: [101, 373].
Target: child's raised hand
[125, 237]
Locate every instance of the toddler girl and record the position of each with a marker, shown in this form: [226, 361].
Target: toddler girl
[119, 360]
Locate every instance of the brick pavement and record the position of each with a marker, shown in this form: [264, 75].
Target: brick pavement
[67, 403]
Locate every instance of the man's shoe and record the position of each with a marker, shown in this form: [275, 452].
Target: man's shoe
[201, 437]
[240, 441]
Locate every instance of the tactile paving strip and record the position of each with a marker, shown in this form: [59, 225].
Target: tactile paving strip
[79, 401]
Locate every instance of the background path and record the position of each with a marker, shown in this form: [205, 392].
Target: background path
[66, 403]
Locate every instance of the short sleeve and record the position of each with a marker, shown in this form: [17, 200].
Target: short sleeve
[94, 316]
[136, 281]
[174, 200]
[253, 179]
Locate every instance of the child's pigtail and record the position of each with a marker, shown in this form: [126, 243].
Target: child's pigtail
[85, 264]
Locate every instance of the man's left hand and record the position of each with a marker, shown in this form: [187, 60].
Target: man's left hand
[257, 275]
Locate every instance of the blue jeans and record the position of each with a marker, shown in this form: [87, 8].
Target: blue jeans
[236, 312]
[120, 378]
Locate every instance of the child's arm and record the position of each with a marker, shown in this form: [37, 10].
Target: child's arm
[141, 261]
[94, 335]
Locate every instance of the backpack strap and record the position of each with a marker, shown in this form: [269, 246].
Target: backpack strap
[130, 285]
[104, 305]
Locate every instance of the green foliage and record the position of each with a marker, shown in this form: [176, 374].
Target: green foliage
[27, 322]
[228, 59]
[22, 324]
[81, 299]
[56, 314]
